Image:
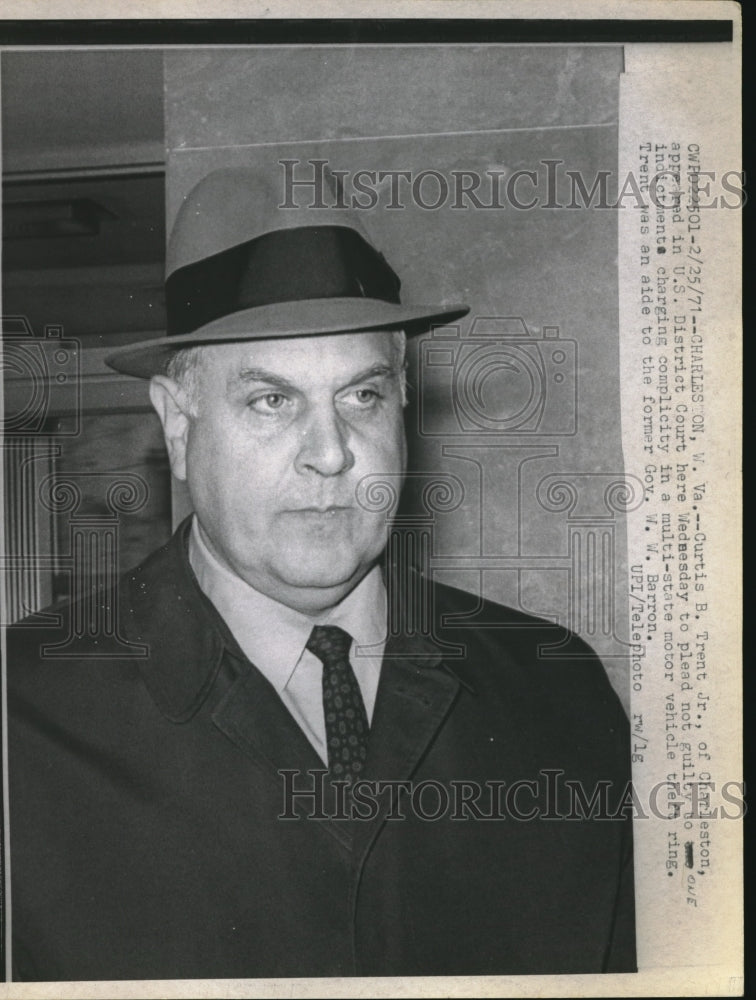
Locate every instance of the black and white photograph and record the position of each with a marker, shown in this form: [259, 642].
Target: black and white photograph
[363, 509]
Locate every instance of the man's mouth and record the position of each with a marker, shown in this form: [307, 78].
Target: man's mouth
[332, 510]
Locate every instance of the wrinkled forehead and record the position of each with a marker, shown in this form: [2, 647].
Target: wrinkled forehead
[303, 359]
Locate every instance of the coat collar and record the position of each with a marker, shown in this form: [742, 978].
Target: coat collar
[163, 607]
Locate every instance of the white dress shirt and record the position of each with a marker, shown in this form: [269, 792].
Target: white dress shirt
[274, 636]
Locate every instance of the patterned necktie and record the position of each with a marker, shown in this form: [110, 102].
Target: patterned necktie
[345, 716]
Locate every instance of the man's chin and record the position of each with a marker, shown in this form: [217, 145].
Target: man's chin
[320, 584]
[325, 578]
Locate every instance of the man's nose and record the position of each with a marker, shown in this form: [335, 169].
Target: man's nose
[324, 446]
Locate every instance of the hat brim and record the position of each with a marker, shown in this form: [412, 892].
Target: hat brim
[285, 319]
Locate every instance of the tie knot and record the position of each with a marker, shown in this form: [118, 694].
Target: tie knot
[330, 644]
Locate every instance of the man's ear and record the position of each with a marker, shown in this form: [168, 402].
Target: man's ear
[172, 407]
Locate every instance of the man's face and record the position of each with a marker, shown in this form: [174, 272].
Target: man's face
[283, 431]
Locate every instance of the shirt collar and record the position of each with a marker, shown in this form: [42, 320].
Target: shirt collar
[272, 635]
[177, 636]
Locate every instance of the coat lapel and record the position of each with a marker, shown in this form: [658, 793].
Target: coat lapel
[415, 696]
[253, 716]
[255, 719]
[188, 643]
[162, 607]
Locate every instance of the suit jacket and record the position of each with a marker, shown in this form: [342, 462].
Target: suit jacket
[146, 798]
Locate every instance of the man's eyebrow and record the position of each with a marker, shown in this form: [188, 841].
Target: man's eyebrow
[271, 378]
[261, 375]
[374, 371]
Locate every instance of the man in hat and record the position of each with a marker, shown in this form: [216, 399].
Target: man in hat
[265, 770]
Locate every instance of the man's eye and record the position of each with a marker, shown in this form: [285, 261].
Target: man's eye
[270, 402]
[363, 397]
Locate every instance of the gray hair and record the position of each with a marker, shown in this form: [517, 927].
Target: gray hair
[184, 368]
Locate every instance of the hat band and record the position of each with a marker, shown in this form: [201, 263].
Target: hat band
[288, 265]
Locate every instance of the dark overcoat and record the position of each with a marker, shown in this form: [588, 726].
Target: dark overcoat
[153, 836]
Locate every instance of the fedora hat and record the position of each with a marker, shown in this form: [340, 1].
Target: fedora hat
[242, 267]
